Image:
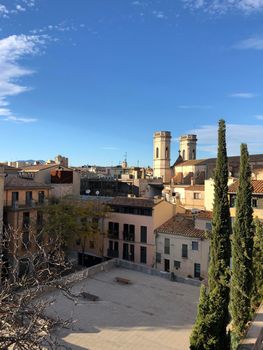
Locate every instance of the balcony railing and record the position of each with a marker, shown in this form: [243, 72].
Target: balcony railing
[28, 204]
[113, 235]
[112, 253]
[128, 237]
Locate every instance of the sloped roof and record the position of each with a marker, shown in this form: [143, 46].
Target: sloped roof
[17, 182]
[195, 188]
[257, 186]
[181, 225]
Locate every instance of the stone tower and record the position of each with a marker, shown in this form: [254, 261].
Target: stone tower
[188, 147]
[161, 155]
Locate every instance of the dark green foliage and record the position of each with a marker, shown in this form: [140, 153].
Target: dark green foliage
[258, 264]
[242, 248]
[210, 328]
[199, 335]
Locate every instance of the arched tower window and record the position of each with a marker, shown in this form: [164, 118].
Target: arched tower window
[193, 153]
[166, 153]
[157, 152]
[184, 154]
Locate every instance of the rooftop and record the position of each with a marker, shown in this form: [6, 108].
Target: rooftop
[135, 202]
[257, 187]
[181, 225]
[17, 182]
[150, 313]
[38, 167]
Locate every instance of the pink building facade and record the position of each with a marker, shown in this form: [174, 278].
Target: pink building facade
[129, 229]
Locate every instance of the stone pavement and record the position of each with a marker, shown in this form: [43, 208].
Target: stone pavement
[151, 313]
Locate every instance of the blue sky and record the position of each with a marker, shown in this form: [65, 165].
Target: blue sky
[93, 79]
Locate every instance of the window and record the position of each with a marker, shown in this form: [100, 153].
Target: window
[166, 265]
[166, 153]
[208, 226]
[197, 270]
[194, 245]
[193, 154]
[232, 201]
[29, 197]
[41, 197]
[254, 203]
[158, 257]
[177, 264]
[26, 220]
[128, 252]
[144, 234]
[91, 244]
[114, 229]
[184, 251]
[78, 241]
[15, 198]
[143, 255]
[157, 153]
[197, 195]
[183, 154]
[166, 246]
[128, 232]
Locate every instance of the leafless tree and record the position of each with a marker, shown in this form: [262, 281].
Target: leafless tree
[30, 265]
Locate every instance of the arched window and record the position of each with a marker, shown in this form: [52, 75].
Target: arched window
[184, 154]
[193, 153]
[166, 153]
[157, 152]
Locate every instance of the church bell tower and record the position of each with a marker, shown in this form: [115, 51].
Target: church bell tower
[161, 155]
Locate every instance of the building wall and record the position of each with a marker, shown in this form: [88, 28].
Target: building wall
[191, 202]
[209, 192]
[161, 213]
[200, 256]
[138, 221]
[188, 147]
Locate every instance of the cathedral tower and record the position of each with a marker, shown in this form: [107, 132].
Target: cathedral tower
[161, 155]
[188, 147]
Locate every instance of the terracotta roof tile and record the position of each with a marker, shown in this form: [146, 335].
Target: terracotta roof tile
[257, 186]
[195, 188]
[181, 225]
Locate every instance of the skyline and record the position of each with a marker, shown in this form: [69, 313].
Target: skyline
[75, 75]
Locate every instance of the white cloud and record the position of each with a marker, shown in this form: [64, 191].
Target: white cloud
[12, 49]
[236, 134]
[222, 6]
[259, 116]
[159, 14]
[18, 7]
[255, 43]
[243, 95]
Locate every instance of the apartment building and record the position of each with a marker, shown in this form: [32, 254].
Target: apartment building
[64, 181]
[23, 200]
[182, 246]
[129, 229]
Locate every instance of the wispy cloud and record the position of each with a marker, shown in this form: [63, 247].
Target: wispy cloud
[12, 50]
[236, 134]
[194, 106]
[223, 6]
[18, 6]
[159, 14]
[259, 116]
[245, 95]
[252, 43]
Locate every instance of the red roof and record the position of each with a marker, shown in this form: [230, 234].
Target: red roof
[181, 225]
[257, 186]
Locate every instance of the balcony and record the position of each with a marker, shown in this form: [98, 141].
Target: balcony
[112, 253]
[16, 205]
[113, 234]
[130, 237]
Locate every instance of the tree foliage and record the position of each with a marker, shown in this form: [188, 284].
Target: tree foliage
[257, 294]
[242, 248]
[210, 333]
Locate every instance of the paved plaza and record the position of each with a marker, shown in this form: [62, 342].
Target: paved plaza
[151, 313]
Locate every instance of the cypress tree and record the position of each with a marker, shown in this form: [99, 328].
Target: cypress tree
[258, 264]
[199, 334]
[242, 248]
[213, 332]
